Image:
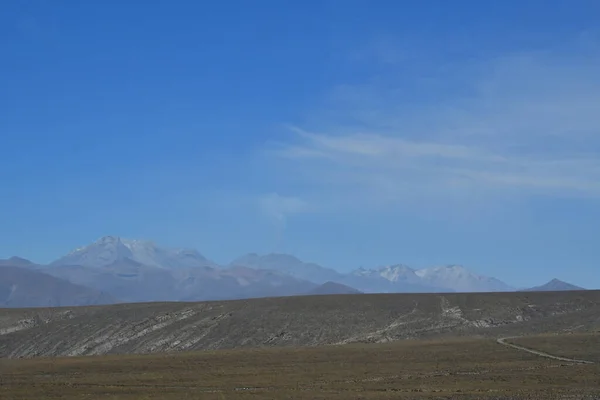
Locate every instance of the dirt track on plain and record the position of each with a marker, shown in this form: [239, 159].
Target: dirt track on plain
[503, 341]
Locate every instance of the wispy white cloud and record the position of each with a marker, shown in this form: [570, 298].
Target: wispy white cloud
[385, 155]
[280, 207]
[517, 125]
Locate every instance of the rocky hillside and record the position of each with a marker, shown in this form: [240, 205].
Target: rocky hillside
[289, 321]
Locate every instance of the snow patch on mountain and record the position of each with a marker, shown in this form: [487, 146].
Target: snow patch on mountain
[128, 260]
[395, 273]
[111, 249]
[460, 279]
[388, 279]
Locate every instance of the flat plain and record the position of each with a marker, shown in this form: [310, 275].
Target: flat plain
[409, 369]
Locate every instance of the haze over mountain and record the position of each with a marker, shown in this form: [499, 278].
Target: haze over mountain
[398, 273]
[554, 285]
[389, 279]
[22, 287]
[333, 288]
[111, 249]
[290, 265]
[16, 262]
[458, 278]
[142, 271]
[131, 281]
[394, 278]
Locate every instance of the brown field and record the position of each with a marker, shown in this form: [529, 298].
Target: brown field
[408, 369]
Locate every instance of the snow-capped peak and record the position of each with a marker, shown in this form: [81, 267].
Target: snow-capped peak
[110, 249]
[446, 270]
[446, 277]
[399, 272]
[459, 278]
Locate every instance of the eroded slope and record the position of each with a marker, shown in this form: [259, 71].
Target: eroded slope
[288, 321]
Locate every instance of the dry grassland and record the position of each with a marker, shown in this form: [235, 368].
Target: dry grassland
[449, 369]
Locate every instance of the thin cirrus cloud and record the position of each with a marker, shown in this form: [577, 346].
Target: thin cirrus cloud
[524, 124]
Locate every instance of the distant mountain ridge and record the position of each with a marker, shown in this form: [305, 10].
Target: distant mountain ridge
[333, 288]
[110, 249]
[389, 279]
[142, 271]
[16, 262]
[554, 285]
[135, 282]
[288, 264]
[460, 279]
[23, 287]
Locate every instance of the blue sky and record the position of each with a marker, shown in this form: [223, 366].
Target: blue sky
[349, 133]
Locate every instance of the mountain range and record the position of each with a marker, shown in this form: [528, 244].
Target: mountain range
[113, 269]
